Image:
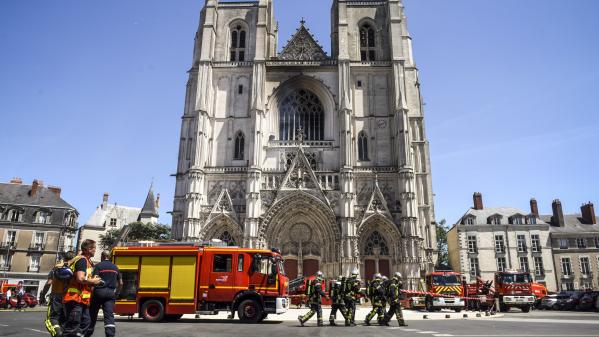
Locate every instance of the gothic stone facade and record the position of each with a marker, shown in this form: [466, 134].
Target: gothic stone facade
[322, 156]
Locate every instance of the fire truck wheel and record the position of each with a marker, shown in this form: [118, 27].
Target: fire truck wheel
[152, 311]
[457, 310]
[264, 315]
[525, 309]
[173, 318]
[250, 311]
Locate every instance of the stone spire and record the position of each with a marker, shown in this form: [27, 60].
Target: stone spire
[149, 213]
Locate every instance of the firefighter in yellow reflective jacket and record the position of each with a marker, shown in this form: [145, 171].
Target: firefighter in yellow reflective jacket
[338, 302]
[394, 295]
[376, 293]
[352, 293]
[315, 295]
[58, 278]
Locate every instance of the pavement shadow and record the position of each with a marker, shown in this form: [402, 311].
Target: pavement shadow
[197, 320]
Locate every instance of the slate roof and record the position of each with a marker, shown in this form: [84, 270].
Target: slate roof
[19, 194]
[483, 214]
[303, 47]
[149, 209]
[574, 225]
[124, 215]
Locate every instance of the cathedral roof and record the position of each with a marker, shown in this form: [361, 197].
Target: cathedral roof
[303, 47]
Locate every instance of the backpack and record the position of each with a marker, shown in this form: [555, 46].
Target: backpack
[309, 288]
[63, 273]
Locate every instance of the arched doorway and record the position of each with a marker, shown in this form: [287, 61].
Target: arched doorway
[223, 228]
[376, 256]
[305, 230]
[380, 246]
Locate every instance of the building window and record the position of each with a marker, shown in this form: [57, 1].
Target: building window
[14, 215]
[362, 146]
[359, 84]
[239, 146]
[34, 263]
[238, 43]
[469, 221]
[474, 269]
[472, 247]
[240, 89]
[524, 263]
[70, 219]
[532, 220]
[11, 238]
[581, 243]
[5, 261]
[112, 222]
[563, 244]
[222, 263]
[495, 220]
[367, 43]
[597, 242]
[568, 286]
[42, 217]
[499, 244]
[501, 264]
[301, 110]
[38, 241]
[585, 266]
[566, 266]
[535, 243]
[521, 243]
[539, 269]
[517, 220]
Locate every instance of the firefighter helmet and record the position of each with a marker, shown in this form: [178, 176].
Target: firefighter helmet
[355, 273]
[397, 275]
[319, 275]
[384, 278]
[377, 276]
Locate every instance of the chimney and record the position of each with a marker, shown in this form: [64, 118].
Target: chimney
[157, 201]
[56, 190]
[558, 215]
[534, 208]
[35, 186]
[16, 181]
[478, 201]
[105, 201]
[588, 214]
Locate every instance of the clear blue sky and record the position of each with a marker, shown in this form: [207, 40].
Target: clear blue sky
[91, 95]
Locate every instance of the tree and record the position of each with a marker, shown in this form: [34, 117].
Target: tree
[138, 231]
[442, 255]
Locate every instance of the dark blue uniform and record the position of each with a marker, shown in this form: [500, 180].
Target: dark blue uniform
[104, 297]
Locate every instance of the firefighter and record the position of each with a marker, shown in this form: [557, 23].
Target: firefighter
[394, 301]
[338, 302]
[78, 294]
[385, 284]
[104, 296]
[376, 293]
[57, 279]
[315, 295]
[351, 293]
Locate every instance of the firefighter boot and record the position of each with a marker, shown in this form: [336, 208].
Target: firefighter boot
[299, 318]
[320, 323]
[402, 322]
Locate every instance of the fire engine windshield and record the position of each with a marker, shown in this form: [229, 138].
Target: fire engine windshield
[446, 280]
[515, 278]
[281, 267]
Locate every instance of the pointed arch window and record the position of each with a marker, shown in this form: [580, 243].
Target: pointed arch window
[303, 110]
[367, 42]
[363, 146]
[239, 146]
[376, 242]
[238, 43]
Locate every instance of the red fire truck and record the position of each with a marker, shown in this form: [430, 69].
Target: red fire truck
[446, 283]
[514, 290]
[168, 280]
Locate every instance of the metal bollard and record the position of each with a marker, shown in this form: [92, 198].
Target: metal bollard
[478, 314]
[424, 316]
[447, 316]
[465, 315]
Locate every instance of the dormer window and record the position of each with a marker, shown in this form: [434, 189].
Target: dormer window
[470, 220]
[238, 37]
[517, 220]
[494, 220]
[531, 220]
[367, 43]
[42, 217]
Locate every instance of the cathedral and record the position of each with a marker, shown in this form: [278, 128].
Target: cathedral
[322, 156]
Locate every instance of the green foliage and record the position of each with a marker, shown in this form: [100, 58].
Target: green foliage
[442, 254]
[138, 231]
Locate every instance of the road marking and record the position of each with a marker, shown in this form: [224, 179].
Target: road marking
[40, 331]
[428, 332]
[3, 325]
[410, 330]
[538, 320]
[443, 335]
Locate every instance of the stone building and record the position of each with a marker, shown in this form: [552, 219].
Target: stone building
[486, 240]
[35, 225]
[575, 245]
[324, 156]
[113, 216]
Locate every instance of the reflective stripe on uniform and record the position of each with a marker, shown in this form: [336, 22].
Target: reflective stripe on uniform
[110, 326]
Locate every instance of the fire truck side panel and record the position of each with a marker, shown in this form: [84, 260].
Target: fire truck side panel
[126, 304]
[182, 298]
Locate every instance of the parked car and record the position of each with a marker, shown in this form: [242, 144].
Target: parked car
[548, 301]
[587, 301]
[572, 302]
[597, 304]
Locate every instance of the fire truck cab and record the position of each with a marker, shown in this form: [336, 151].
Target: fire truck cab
[448, 284]
[514, 289]
[169, 280]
